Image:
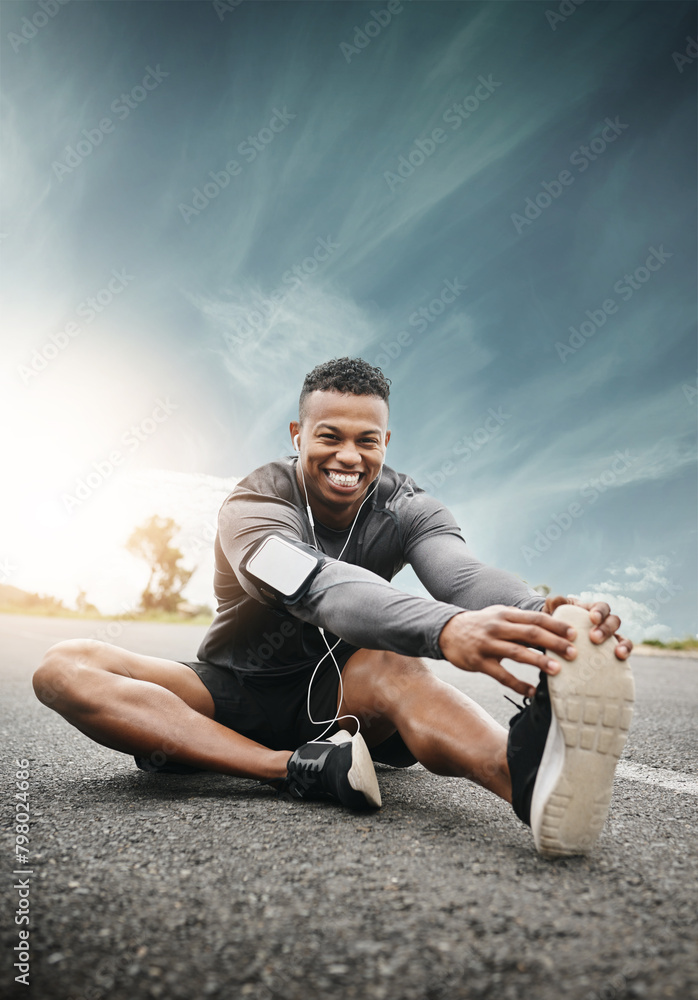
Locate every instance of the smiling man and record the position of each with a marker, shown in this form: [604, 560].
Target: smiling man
[313, 669]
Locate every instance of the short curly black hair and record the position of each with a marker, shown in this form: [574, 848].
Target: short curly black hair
[345, 375]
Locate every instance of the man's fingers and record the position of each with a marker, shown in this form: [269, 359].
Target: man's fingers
[496, 670]
[551, 603]
[599, 612]
[541, 620]
[534, 635]
[624, 647]
[607, 628]
[523, 654]
[496, 651]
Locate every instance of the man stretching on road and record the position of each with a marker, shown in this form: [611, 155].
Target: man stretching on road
[305, 552]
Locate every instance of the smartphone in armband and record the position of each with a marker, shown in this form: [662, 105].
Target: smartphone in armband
[281, 568]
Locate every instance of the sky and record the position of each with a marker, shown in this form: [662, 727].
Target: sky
[494, 202]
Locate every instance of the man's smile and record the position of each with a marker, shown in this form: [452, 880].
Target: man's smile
[345, 482]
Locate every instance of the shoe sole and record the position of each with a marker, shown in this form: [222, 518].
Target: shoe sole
[362, 774]
[592, 705]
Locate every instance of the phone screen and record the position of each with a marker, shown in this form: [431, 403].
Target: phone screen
[281, 565]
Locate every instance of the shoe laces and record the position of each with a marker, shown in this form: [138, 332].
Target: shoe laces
[541, 695]
[521, 708]
[280, 785]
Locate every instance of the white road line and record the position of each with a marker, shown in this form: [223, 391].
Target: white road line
[675, 781]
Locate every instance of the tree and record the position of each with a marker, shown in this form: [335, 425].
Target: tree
[83, 605]
[151, 541]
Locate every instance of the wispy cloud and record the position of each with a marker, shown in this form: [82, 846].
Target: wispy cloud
[640, 618]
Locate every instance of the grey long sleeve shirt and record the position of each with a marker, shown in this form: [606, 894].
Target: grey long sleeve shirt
[351, 599]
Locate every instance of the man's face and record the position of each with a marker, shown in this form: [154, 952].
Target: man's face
[343, 439]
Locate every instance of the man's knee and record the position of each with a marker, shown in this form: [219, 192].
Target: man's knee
[390, 677]
[56, 680]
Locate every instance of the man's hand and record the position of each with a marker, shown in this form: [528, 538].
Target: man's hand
[478, 640]
[606, 623]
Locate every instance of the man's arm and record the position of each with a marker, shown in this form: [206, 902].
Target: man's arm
[346, 600]
[367, 611]
[450, 572]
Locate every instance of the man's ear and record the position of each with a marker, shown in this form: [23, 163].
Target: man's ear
[387, 438]
[295, 428]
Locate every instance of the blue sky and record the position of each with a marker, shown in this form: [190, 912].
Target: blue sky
[494, 203]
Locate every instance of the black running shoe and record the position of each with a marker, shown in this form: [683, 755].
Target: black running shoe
[340, 767]
[565, 742]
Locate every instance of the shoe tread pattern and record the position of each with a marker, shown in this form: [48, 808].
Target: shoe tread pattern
[593, 722]
[592, 700]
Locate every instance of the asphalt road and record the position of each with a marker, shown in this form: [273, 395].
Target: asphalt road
[209, 886]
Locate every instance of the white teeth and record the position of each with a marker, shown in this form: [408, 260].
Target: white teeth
[344, 480]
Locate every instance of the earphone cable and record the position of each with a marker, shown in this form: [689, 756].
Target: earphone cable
[330, 649]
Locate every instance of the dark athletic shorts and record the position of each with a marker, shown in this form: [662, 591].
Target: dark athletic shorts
[273, 710]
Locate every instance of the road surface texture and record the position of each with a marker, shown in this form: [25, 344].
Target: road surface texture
[208, 886]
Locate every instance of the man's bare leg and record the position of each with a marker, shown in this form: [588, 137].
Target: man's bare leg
[447, 732]
[143, 705]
